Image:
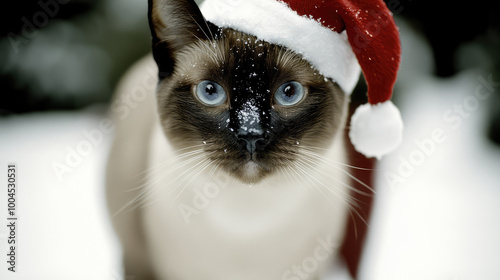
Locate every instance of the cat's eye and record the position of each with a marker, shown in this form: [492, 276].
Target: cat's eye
[289, 94]
[211, 93]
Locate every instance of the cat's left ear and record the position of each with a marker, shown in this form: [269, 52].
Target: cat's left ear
[174, 25]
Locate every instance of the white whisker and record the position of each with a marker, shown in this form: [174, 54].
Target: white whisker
[178, 156]
[181, 177]
[158, 170]
[329, 162]
[349, 203]
[305, 158]
[311, 150]
[146, 193]
[203, 167]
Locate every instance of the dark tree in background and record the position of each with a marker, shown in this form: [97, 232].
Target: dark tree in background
[67, 54]
[21, 22]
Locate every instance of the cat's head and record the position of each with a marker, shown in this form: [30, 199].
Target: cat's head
[249, 104]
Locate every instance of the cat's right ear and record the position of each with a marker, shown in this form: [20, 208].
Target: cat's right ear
[174, 25]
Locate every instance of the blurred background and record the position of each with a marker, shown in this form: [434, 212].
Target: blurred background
[60, 61]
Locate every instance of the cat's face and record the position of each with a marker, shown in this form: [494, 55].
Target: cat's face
[250, 104]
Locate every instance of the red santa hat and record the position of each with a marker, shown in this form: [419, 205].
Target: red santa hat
[339, 38]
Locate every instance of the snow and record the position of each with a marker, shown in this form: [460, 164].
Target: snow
[274, 22]
[376, 129]
[249, 118]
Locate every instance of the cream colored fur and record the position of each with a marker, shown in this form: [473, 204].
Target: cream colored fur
[255, 232]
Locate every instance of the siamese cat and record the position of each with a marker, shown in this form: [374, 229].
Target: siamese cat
[232, 166]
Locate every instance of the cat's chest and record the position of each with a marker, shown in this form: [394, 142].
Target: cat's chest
[235, 231]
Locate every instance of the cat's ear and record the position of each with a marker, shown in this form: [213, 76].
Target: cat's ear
[174, 25]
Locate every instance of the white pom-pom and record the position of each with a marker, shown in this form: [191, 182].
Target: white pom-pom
[376, 130]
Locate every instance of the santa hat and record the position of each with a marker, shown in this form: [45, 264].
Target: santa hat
[336, 37]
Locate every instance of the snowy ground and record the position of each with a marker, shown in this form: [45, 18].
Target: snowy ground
[62, 232]
[437, 207]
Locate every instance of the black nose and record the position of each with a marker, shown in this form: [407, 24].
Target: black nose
[252, 143]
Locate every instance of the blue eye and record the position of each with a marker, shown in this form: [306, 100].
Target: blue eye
[289, 94]
[210, 93]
